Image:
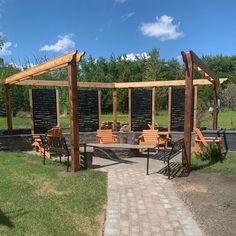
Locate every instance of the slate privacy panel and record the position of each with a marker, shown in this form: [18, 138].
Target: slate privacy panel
[88, 110]
[177, 109]
[44, 110]
[141, 109]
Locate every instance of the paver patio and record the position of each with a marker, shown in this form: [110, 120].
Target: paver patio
[143, 205]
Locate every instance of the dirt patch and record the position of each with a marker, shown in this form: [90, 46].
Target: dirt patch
[47, 188]
[212, 199]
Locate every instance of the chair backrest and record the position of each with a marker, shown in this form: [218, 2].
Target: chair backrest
[55, 131]
[105, 136]
[176, 148]
[150, 135]
[200, 136]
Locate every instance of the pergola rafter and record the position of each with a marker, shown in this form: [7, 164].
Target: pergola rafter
[51, 65]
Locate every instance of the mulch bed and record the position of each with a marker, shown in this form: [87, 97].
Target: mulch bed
[212, 199]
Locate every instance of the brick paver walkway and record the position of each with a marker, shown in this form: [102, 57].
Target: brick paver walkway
[143, 205]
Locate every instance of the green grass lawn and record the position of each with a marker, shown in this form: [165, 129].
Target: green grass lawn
[44, 200]
[227, 166]
[227, 120]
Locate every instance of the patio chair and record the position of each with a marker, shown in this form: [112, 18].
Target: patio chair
[105, 136]
[201, 140]
[56, 146]
[153, 137]
[166, 155]
[37, 142]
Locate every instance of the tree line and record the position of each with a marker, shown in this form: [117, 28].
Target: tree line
[122, 69]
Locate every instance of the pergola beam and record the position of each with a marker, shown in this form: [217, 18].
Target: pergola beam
[43, 68]
[64, 83]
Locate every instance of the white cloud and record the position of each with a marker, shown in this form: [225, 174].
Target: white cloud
[135, 56]
[163, 28]
[121, 1]
[63, 44]
[6, 48]
[5, 51]
[127, 16]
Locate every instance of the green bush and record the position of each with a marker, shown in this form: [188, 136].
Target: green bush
[213, 153]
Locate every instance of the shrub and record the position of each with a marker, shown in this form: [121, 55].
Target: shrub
[213, 153]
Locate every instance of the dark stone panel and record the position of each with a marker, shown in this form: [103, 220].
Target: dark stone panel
[141, 109]
[88, 110]
[44, 110]
[177, 109]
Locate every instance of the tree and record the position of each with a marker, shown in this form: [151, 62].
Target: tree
[229, 96]
[154, 66]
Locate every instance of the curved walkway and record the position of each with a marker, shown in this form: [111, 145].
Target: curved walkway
[143, 205]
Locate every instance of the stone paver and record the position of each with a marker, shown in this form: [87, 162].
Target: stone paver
[143, 205]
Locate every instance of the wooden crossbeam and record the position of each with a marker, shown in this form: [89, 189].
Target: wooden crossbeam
[43, 68]
[64, 83]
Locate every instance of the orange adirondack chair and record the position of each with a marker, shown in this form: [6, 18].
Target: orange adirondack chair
[105, 136]
[152, 137]
[200, 140]
[37, 144]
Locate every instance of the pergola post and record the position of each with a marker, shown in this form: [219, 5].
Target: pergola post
[129, 109]
[31, 110]
[195, 107]
[153, 107]
[73, 105]
[8, 108]
[187, 58]
[114, 98]
[169, 108]
[58, 107]
[215, 108]
[99, 110]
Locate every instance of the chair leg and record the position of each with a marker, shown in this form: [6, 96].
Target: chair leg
[68, 163]
[168, 167]
[44, 156]
[147, 160]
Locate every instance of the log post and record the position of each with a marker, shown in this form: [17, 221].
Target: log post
[8, 108]
[114, 98]
[73, 105]
[187, 58]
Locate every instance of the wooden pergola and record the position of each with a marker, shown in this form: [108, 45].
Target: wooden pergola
[193, 63]
[70, 60]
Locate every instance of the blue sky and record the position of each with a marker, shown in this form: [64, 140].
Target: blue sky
[35, 28]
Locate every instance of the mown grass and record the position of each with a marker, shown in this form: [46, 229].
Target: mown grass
[44, 200]
[227, 166]
[226, 120]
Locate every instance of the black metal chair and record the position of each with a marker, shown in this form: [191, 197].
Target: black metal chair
[56, 146]
[166, 154]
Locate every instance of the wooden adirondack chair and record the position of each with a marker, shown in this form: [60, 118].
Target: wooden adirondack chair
[37, 142]
[200, 140]
[152, 137]
[105, 136]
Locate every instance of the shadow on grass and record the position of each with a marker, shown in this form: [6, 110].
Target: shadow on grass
[5, 219]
